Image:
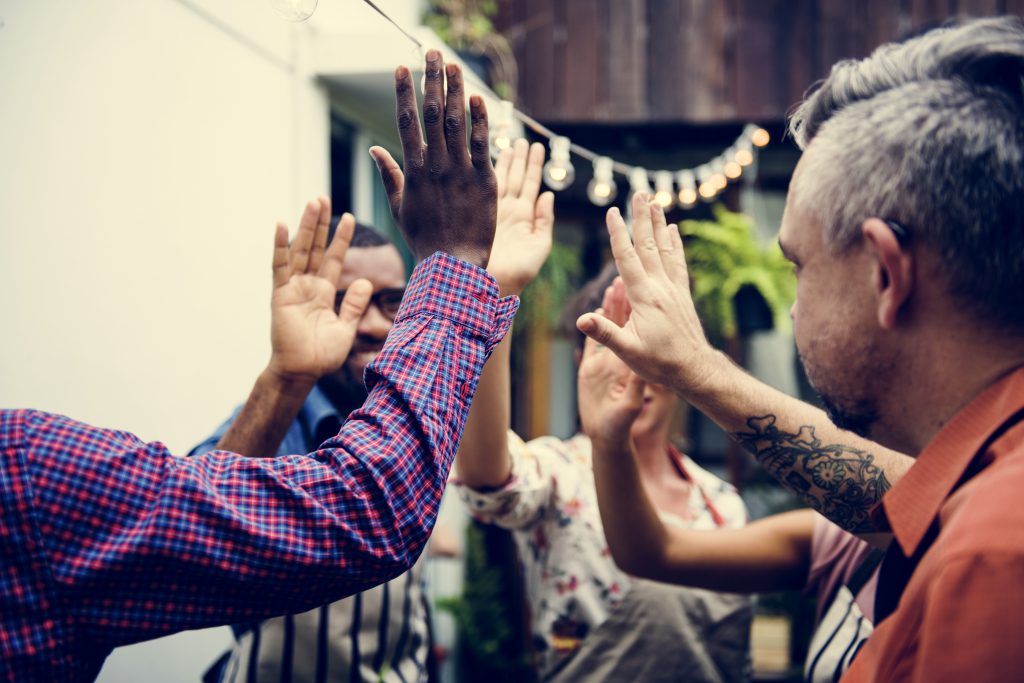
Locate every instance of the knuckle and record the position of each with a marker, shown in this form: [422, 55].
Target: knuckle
[453, 123]
[478, 144]
[405, 120]
[431, 112]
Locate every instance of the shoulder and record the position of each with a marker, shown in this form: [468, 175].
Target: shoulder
[574, 451]
[985, 514]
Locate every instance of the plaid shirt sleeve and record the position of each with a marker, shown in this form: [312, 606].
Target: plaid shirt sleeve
[115, 540]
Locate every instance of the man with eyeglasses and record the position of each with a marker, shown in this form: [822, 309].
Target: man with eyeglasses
[298, 403]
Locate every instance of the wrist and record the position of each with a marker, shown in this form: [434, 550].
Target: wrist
[611, 441]
[704, 376]
[285, 383]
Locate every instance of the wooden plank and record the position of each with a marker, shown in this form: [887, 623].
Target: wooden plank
[627, 35]
[703, 42]
[536, 55]
[602, 85]
[801, 53]
[928, 13]
[980, 8]
[664, 23]
[761, 56]
[581, 65]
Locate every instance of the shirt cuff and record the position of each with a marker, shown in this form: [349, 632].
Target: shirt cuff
[467, 295]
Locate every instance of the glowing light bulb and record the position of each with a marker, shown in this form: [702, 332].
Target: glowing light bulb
[602, 189]
[744, 154]
[707, 188]
[294, 10]
[760, 137]
[687, 189]
[559, 171]
[732, 170]
[718, 178]
[663, 193]
[501, 136]
[639, 180]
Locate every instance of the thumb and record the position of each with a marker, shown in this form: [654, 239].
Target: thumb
[544, 212]
[604, 331]
[392, 177]
[357, 298]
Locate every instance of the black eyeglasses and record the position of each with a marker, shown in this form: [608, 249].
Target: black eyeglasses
[902, 234]
[387, 301]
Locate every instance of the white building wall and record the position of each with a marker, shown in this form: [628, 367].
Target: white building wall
[146, 150]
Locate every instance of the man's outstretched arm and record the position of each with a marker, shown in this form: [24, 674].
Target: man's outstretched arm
[838, 473]
[137, 543]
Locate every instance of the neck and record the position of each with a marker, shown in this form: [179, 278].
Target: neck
[943, 374]
[651, 454]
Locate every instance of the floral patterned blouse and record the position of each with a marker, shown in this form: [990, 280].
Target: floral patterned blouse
[550, 505]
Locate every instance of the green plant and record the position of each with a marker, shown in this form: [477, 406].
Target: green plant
[725, 257]
[462, 24]
[485, 615]
[542, 300]
[468, 26]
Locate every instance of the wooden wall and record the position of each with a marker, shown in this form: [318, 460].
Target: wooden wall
[698, 61]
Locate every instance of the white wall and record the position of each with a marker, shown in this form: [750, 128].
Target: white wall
[145, 153]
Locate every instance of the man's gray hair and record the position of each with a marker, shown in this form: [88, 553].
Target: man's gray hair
[928, 133]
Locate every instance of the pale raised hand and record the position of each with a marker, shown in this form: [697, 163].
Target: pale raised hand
[308, 338]
[610, 395]
[663, 340]
[445, 199]
[522, 241]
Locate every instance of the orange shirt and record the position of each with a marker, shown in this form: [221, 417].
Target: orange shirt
[961, 616]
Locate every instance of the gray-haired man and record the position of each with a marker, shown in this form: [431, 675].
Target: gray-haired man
[905, 220]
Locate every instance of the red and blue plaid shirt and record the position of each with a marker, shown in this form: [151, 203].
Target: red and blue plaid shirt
[106, 540]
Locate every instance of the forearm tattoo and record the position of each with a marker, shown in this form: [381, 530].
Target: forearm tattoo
[840, 482]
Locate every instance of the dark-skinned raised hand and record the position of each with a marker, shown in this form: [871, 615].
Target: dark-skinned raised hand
[445, 198]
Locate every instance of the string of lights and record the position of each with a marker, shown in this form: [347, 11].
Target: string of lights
[685, 187]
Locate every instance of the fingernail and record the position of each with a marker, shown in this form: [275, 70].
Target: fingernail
[433, 55]
[451, 70]
[401, 72]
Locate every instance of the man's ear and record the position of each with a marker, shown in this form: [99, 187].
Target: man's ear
[893, 266]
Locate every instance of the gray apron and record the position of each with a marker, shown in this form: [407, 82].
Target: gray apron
[660, 632]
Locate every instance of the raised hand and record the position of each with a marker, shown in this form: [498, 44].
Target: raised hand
[445, 200]
[308, 338]
[523, 237]
[610, 395]
[663, 340]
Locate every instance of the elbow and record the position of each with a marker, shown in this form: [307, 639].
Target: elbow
[639, 562]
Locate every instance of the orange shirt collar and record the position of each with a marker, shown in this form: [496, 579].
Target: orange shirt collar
[915, 500]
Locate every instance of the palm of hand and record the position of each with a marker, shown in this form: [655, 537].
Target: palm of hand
[522, 242]
[308, 337]
[610, 395]
[525, 221]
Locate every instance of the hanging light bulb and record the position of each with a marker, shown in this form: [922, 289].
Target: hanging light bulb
[760, 137]
[687, 189]
[707, 188]
[602, 189]
[718, 175]
[663, 193]
[732, 169]
[559, 172]
[744, 153]
[501, 136]
[294, 10]
[639, 180]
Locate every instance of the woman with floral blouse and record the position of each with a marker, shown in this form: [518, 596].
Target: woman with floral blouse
[591, 620]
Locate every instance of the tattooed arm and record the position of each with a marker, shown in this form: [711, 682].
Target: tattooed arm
[840, 474]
